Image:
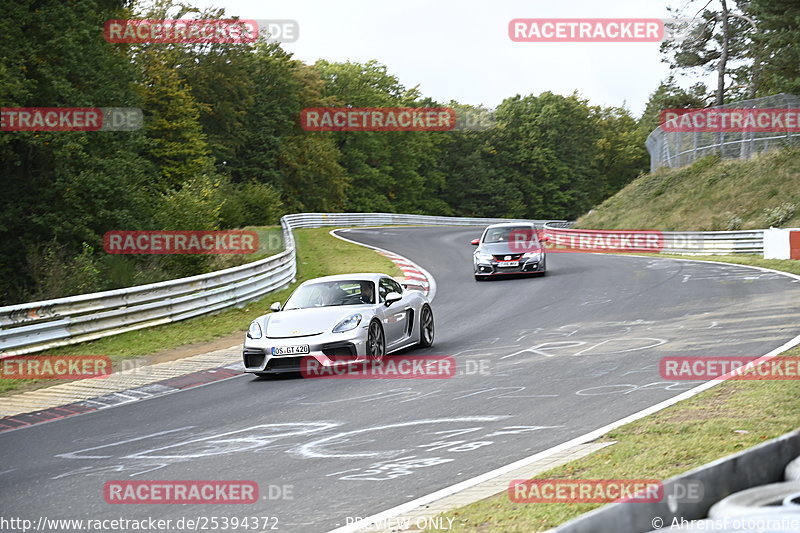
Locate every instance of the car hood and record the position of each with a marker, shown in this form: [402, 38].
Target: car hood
[504, 248]
[311, 321]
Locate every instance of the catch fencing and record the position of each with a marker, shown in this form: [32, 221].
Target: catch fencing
[677, 149]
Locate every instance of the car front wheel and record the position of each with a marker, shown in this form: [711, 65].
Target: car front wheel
[426, 329]
[376, 342]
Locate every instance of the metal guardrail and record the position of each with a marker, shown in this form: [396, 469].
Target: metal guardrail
[36, 326]
[682, 242]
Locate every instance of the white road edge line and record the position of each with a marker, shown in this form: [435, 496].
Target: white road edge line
[431, 279]
[365, 523]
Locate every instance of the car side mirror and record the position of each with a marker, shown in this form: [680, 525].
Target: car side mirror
[275, 307]
[393, 297]
[544, 240]
[475, 242]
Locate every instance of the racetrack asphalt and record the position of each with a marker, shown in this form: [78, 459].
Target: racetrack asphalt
[540, 361]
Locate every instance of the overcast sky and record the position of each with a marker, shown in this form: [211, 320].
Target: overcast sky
[461, 50]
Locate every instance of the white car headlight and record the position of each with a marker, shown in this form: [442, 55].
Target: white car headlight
[486, 258]
[532, 255]
[254, 331]
[348, 323]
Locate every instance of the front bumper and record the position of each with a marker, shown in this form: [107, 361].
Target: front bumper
[329, 349]
[493, 268]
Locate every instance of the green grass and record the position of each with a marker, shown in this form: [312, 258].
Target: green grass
[708, 195]
[684, 436]
[318, 254]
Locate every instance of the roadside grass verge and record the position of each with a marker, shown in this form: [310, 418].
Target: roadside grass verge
[318, 254]
[731, 417]
[711, 194]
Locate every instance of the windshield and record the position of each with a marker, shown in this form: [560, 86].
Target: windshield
[332, 293]
[511, 233]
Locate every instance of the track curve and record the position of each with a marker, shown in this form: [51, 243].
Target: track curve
[550, 359]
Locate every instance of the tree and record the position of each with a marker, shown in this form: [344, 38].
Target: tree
[64, 189]
[720, 38]
[545, 147]
[779, 43]
[621, 154]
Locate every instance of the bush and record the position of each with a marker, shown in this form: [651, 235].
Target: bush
[250, 204]
[779, 215]
[56, 274]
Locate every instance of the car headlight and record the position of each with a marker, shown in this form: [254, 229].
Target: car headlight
[348, 323]
[486, 258]
[532, 255]
[254, 331]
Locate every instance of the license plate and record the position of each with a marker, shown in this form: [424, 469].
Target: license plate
[508, 263]
[290, 350]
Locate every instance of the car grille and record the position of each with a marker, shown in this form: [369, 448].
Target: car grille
[253, 357]
[513, 257]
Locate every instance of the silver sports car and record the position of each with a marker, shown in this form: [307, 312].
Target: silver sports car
[338, 320]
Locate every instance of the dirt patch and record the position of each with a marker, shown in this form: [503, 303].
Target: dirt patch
[188, 350]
